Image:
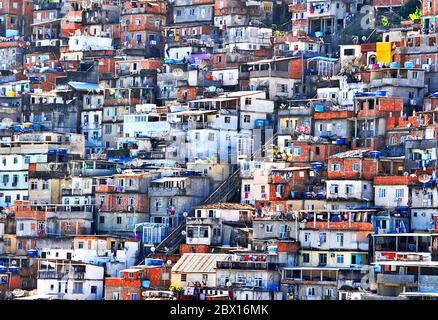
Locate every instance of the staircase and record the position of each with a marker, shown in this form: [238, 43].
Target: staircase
[223, 193]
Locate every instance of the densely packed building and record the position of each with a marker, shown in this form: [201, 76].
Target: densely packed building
[218, 149]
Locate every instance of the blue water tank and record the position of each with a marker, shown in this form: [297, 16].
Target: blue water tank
[394, 65]
[3, 269]
[409, 64]
[317, 166]
[319, 34]
[340, 141]
[293, 194]
[14, 270]
[308, 195]
[381, 93]
[319, 108]
[32, 253]
[320, 195]
[375, 154]
[154, 262]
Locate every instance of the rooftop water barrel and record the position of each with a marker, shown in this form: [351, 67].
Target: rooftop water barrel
[375, 154]
[319, 108]
[340, 141]
[320, 195]
[319, 34]
[272, 249]
[14, 269]
[32, 253]
[317, 165]
[381, 93]
[409, 64]
[308, 195]
[3, 269]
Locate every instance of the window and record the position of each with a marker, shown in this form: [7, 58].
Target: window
[306, 258]
[340, 258]
[310, 291]
[46, 185]
[349, 189]
[183, 277]
[334, 189]
[382, 193]
[340, 238]
[355, 167]
[335, 167]
[297, 151]
[227, 120]
[119, 200]
[322, 237]
[78, 287]
[269, 228]
[119, 220]
[307, 237]
[399, 193]
[329, 292]
[81, 244]
[67, 227]
[246, 118]
[93, 289]
[102, 219]
[33, 185]
[247, 187]
[211, 136]
[323, 259]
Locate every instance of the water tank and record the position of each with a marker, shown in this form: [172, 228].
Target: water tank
[381, 93]
[409, 64]
[319, 108]
[340, 141]
[317, 166]
[375, 154]
[394, 65]
[32, 253]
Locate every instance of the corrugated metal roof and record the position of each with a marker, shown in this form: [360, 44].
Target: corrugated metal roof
[198, 262]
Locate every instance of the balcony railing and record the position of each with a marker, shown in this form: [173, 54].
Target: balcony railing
[246, 265]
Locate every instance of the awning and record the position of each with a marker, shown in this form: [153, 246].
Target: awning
[85, 86]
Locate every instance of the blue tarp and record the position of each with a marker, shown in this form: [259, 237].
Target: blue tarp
[84, 86]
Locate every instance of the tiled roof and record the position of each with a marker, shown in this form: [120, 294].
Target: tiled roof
[198, 262]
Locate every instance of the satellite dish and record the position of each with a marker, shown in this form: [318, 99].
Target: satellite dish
[185, 214]
[405, 173]
[183, 233]
[7, 121]
[152, 249]
[424, 178]
[178, 72]
[169, 262]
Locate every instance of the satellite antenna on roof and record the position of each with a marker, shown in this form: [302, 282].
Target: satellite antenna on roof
[7, 121]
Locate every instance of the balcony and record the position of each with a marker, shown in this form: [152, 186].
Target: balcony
[71, 192]
[246, 265]
[166, 192]
[387, 278]
[55, 275]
